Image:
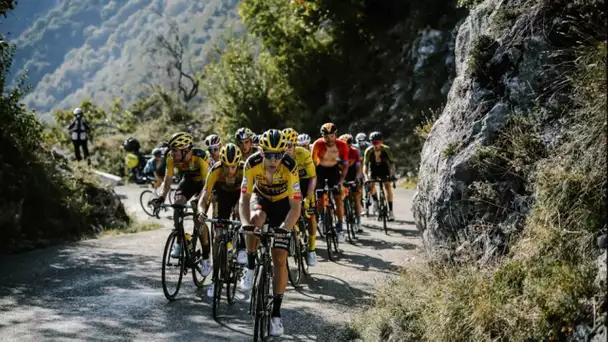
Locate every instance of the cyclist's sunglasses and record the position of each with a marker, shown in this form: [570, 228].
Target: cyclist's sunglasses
[377, 142]
[243, 142]
[214, 149]
[273, 155]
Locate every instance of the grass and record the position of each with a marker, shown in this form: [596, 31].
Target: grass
[451, 149]
[544, 286]
[136, 227]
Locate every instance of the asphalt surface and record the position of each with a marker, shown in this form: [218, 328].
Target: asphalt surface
[109, 289]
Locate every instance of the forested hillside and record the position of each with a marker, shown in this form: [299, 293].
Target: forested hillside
[104, 49]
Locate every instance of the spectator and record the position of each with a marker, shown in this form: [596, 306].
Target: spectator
[79, 128]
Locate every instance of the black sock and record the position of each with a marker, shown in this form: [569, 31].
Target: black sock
[251, 260]
[206, 250]
[276, 305]
[241, 243]
[390, 205]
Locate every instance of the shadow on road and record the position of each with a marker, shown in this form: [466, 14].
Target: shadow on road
[391, 230]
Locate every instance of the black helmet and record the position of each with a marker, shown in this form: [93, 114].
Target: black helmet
[375, 136]
[131, 145]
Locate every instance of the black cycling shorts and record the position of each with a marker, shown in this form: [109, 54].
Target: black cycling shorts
[332, 174]
[304, 183]
[381, 171]
[226, 201]
[188, 187]
[351, 175]
[275, 211]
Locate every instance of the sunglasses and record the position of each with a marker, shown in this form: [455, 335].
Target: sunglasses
[273, 155]
[214, 149]
[243, 142]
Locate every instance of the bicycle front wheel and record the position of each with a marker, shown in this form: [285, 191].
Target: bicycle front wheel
[294, 260]
[261, 317]
[171, 286]
[219, 278]
[144, 198]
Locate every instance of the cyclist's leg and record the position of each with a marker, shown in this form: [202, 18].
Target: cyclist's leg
[312, 226]
[227, 201]
[276, 215]
[184, 189]
[321, 175]
[333, 180]
[357, 198]
[389, 199]
[259, 205]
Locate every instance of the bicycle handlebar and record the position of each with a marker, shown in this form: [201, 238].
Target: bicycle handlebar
[223, 221]
[380, 180]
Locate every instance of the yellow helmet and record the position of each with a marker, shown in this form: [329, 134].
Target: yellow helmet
[347, 138]
[230, 155]
[273, 140]
[291, 135]
[181, 141]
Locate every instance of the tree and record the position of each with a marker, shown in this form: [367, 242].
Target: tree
[248, 91]
[186, 82]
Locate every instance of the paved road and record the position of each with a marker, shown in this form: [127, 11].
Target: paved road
[109, 289]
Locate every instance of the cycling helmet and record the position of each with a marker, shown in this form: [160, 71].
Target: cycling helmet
[347, 138]
[361, 137]
[255, 141]
[213, 141]
[273, 140]
[375, 136]
[131, 145]
[243, 133]
[157, 152]
[303, 139]
[329, 128]
[291, 135]
[230, 155]
[181, 141]
[77, 112]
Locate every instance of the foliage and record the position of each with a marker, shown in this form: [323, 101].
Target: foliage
[247, 91]
[43, 199]
[544, 287]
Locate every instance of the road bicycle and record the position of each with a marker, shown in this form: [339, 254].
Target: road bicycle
[350, 210]
[298, 250]
[225, 268]
[148, 195]
[260, 304]
[326, 196]
[382, 201]
[190, 251]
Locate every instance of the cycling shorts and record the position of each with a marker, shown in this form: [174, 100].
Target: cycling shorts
[188, 187]
[332, 174]
[381, 171]
[275, 211]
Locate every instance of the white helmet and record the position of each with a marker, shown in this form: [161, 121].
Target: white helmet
[77, 111]
[361, 137]
[303, 139]
[213, 141]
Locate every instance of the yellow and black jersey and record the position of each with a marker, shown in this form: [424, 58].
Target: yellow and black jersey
[285, 182]
[218, 178]
[306, 168]
[196, 168]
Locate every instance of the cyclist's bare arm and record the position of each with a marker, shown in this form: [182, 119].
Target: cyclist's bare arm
[244, 209]
[167, 184]
[310, 192]
[203, 201]
[295, 205]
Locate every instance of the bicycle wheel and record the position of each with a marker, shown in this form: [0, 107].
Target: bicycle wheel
[219, 278]
[235, 271]
[383, 212]
[197, 256]
[303, 241]
[294, 260]
[350, 220]
[145, 197]
[330, 232]
[171, 263]
[261, 319]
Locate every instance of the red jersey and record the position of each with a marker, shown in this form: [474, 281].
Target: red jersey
[353, 156]
[329, 156]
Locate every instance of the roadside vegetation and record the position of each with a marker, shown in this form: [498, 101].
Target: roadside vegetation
[545, 285]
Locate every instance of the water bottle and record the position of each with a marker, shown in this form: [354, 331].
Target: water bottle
[189, 242]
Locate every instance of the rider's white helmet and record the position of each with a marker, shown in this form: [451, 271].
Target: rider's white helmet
[361, 137]
[303, 139]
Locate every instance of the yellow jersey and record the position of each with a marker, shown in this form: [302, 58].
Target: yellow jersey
[196, 168]
[285, 181]
[218, 178]
[306, 168]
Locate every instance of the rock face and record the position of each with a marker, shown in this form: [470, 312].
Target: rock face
[505, 65]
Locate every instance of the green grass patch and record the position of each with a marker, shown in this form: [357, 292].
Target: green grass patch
[451, 149]
[136, 227]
